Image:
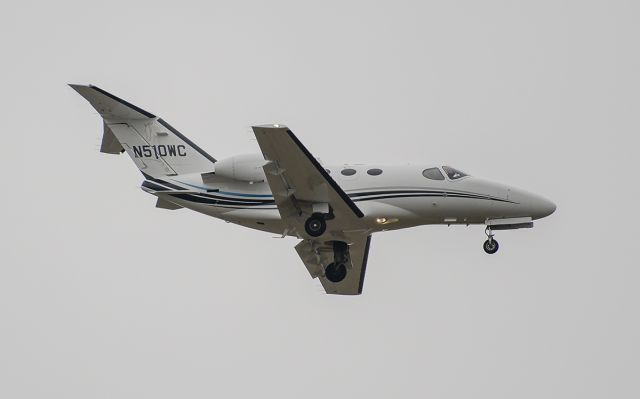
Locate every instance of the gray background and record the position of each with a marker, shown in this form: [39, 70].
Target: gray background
[104, 296]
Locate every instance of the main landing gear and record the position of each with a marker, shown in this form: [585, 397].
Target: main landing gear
[491, 245]
[337, 271]
[315, 226]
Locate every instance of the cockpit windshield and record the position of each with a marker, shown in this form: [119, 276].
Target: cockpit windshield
[453, 174]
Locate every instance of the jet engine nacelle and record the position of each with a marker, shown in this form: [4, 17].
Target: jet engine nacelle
[245, 167]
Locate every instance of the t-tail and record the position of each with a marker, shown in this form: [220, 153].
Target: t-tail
[156, 147]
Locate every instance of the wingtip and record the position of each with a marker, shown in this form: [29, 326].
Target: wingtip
[78, 87]
[270, 126]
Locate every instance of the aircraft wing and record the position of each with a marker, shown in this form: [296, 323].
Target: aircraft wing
[300, 185]
[317, 255]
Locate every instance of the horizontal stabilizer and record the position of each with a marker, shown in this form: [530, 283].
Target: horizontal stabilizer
[164, 204]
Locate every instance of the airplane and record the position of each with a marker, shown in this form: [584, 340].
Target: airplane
[283, 189]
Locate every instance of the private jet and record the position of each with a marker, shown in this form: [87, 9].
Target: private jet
[285, 190]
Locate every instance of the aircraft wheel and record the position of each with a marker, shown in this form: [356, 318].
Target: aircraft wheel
[315, 226]
[335, 272]
[491, 246]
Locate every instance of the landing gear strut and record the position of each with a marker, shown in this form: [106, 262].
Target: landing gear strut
[315, 226]
[491, 245]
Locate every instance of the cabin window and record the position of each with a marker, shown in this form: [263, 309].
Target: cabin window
[374, 172]
[433, 174]
[348, 172]
[328, 171]
[453, 174]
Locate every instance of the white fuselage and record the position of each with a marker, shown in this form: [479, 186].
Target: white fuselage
[284, 189]
[399, 197]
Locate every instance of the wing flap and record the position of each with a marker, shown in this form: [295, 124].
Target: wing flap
[316, 256]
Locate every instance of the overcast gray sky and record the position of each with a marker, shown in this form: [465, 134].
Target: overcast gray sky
[104, 296]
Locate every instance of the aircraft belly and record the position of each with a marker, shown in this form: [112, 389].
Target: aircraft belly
[413, 211]
[464, 210]
[259, 219]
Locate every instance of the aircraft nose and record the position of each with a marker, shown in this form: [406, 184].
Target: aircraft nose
[543, 207]
[530, 204]
[539, 207]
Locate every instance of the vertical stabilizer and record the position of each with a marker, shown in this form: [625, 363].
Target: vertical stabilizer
[155, 147]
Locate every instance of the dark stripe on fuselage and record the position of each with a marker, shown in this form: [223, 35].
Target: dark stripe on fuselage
[238, 200]
[425, 193]
[221, 199]
[166, 183]
[202, 199]
[385, 192]
[153, 186]
[439, 195]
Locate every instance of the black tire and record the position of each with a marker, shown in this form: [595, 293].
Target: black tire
[315, 226]
[491, 247]
[335, 272]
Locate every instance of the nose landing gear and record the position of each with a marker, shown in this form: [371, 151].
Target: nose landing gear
[491, 245]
